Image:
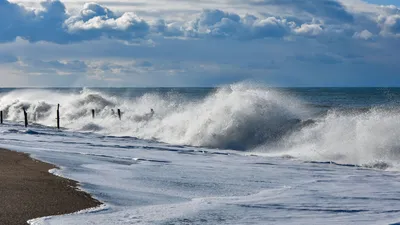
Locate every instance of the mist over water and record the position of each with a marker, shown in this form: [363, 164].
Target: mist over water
[357, 127]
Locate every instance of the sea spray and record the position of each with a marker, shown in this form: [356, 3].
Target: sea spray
[240, 116]
[366, 138]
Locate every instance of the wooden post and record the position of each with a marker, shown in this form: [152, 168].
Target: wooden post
[119, 114]
[58, 116]
[1, 117]
[26, 118]
[93, 113]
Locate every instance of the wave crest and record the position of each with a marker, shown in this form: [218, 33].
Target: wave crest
[239, 116]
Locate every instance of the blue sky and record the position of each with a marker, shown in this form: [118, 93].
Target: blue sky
[385, 2]
[199, 43]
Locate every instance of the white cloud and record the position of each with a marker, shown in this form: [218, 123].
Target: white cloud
[52, 22]
[311, 30]
[391, 25]
[365, 35]
[219, 24]
[96, 21]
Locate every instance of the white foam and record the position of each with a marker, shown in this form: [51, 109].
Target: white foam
[366, 139]
[239, 116]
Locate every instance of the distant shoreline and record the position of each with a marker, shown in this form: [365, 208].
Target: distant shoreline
[29, 191]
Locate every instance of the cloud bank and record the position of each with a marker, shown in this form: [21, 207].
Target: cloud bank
[53, 23]
[283, 42]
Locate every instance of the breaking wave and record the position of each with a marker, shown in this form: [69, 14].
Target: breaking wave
[370, 139]
[241, 117]
[237, 117]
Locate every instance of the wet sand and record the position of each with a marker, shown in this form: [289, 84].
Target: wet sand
[28, 190]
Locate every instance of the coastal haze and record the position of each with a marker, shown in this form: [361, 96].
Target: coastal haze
[238, 154]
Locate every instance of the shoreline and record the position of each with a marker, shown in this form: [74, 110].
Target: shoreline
[28, 190]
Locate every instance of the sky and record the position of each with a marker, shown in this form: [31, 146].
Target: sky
[170, 43]
[385, 2]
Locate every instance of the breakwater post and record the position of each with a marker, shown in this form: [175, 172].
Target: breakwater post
[58, 116]
[93, 113]
[119, 114]
[26, 118]
[1, 117]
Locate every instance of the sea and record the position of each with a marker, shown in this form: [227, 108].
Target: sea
[237, 154]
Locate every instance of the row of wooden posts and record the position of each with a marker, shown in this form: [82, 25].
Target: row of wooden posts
[58, 116]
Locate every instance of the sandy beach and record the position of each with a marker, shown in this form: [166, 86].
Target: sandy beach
[29, 191]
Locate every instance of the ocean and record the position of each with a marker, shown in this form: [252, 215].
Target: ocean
[238, 154]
